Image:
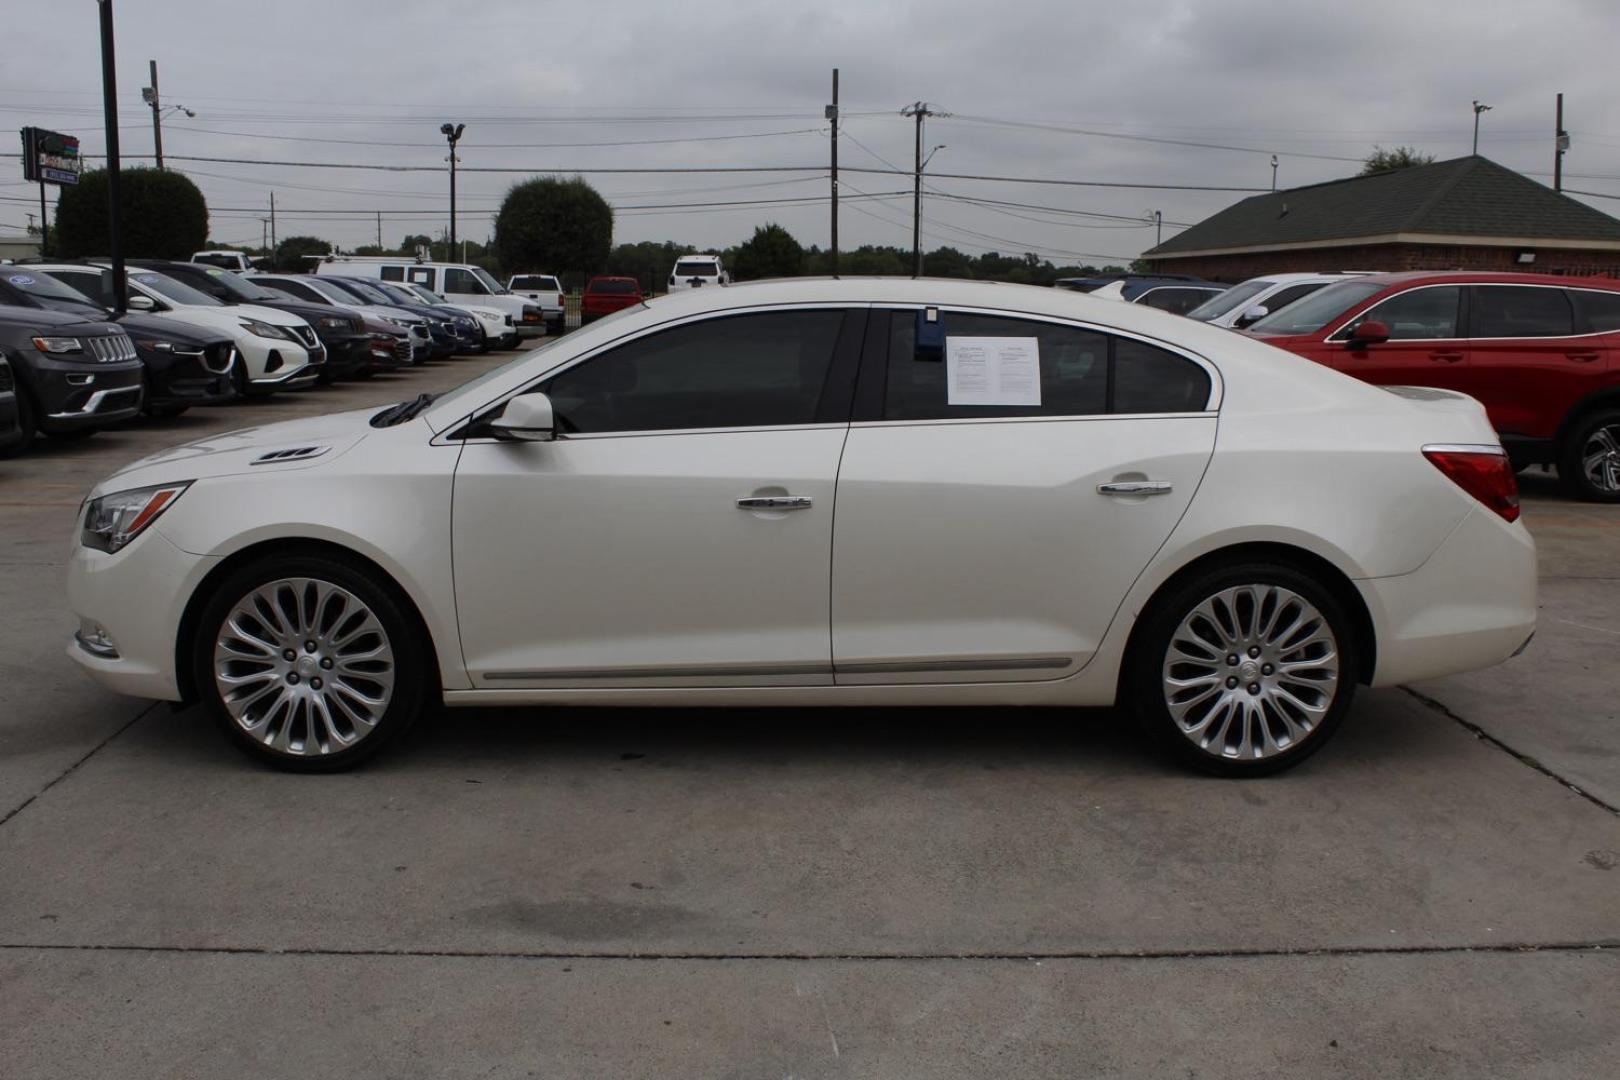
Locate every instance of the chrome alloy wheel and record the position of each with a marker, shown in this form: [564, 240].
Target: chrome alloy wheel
[1600, 458]
[304, 666]
[1251, 672]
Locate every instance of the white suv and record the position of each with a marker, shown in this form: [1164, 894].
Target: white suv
[694, 271]
[1253, 300]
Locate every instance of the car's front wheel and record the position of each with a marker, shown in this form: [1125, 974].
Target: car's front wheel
[1244, 670]
[310, 663]
[1589, 466]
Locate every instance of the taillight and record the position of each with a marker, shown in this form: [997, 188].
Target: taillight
[1482, 471]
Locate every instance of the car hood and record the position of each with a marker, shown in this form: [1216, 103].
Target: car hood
[290, 444]
[156, 327]
[46, 320]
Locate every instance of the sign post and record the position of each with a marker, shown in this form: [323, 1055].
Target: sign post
[49, 157]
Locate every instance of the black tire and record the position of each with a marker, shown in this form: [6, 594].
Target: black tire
[415, 681]
[1149, 660]
[1572, 476]
[26, 428]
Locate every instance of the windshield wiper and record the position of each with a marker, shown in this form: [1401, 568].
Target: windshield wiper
[405, 410]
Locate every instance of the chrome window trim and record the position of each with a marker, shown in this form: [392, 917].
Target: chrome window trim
[1329, 340]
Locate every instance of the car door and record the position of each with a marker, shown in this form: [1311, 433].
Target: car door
[678, 531]
[1426, 346]
[1529, 366]
[991, 535]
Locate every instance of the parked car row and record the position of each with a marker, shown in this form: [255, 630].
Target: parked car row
[195, 334]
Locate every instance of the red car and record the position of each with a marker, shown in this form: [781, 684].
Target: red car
[1541, 353]
[605, 295]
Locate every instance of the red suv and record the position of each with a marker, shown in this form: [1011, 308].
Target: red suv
[1541, 353]
[605, 295]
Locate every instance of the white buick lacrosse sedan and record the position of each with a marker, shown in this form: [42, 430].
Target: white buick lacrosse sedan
[856, 492]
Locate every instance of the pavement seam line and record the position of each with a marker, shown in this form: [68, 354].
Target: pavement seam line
[1519, 755]
[64, 774]
[1608, 945]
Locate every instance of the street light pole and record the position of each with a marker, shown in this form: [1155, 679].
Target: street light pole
[1478, 108]
[452, 134]
[109, 108]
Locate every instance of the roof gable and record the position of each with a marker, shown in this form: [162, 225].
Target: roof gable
[1468, 196]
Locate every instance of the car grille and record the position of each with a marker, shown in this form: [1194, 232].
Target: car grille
[111, 349]
[306, 336]
[420, 330]
[6, 384]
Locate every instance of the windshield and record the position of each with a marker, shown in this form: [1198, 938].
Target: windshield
[170, 289]
[494, 286]
[394, 293]
[1315, 311]
[361, 290]
[1230, 300]
[49, 292]
[239, 288]
[696, 268]
[425, 293]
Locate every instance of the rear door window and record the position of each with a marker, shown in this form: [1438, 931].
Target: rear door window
[422, 275]
[393, 273]
[1519, 311]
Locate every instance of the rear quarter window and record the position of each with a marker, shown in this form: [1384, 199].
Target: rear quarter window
[1599, 311]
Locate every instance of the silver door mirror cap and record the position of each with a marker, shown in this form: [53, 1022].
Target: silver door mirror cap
[526, 418]
[140, 302]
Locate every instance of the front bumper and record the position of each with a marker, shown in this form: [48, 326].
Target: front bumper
[134, 598]
[189, 376]
[346, 353]
[1471, 605]
[76, 395]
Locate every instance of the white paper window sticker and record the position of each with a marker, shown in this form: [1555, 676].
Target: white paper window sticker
[993, 371]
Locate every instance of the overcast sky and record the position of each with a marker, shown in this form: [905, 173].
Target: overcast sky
[742, 83]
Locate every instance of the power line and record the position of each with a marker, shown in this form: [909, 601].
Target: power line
[503, 146]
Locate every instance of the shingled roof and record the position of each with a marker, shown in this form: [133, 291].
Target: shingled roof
[1463, 197]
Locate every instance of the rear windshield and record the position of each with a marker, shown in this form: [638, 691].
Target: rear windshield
[536, 282]
[1318, 309]
[696, 268]
[613, 286]
[1221, 303]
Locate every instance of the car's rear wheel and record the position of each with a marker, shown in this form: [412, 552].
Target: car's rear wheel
[1589, 466]
[310, 663]
[1244, 670]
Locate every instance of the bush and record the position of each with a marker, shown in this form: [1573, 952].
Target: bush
[289, 257]
[162, 215]
[554, 226]
[770, 253]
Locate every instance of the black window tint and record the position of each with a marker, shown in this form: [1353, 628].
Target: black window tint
[736, 371]
[393, 273]
[459, 281]
[1512, 311]
[1178, 301]
[298, 289]
[1073, 364]
[1283, 297]
[1420, 313]
[1600, 311]
[95, 284]
[1148, 379]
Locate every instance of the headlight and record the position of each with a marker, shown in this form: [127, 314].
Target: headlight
[485, 313]
[114, 520]
[334, 322]
[265, 330]
[58, 344]
[407, 323]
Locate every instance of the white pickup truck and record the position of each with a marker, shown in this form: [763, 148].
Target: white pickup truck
[544, 290]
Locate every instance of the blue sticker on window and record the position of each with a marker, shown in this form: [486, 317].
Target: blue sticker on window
[21, 279]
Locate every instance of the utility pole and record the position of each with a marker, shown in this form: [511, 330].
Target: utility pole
[1273, 172]
[1158, 227]
[109, 108]
[272, 223]
[452, 134]
[264, 235]
[832, 115]
[919, 110]
[1478, 108]
[1560, 145]
[151, 97]
[379, 228]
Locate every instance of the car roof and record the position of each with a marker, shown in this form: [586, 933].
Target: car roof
[1490, 277]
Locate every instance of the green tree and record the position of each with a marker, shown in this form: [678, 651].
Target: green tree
[291, 251]
[554, 226]
[161, 214]
[770, 253]
[1402, 157]
[649, 262]
[947, 262]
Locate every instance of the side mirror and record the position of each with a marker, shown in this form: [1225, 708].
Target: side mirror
[140, 302]
[1370, 332]
[1253, 315]
[527, 418]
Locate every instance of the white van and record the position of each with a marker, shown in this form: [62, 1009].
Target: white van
[225, 260]
[460, 283]
[695, 271]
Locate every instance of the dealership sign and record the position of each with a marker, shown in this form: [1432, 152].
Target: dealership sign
[50, 157]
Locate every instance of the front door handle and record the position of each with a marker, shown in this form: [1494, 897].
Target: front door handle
[1135, 487]
[775, 502]
[1446, 357]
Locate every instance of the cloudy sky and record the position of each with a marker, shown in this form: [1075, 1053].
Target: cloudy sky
[1103, 92]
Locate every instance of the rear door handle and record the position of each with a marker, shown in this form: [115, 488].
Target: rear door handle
[1135, 487]
[1446, 357]
[775, 502]
[1583, 357]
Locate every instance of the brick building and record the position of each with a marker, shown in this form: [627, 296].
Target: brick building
[1465, 214]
